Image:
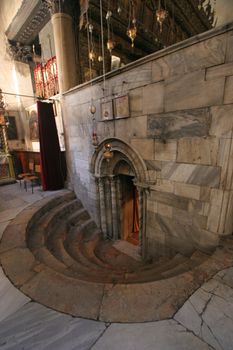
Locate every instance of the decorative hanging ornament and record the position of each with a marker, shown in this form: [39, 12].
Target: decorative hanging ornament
[92, 55]
[161, 15]
[132, 28]
[132, 33]
[92, 109]
[110, 45]
[108, 154]
[100, 58]
[95, 141]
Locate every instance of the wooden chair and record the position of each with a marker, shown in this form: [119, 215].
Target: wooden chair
[30, 173]
[33, 178]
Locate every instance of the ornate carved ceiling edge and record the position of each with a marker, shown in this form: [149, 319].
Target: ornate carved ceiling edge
[29, 20]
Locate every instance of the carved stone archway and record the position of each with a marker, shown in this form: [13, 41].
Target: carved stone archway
[125, 161]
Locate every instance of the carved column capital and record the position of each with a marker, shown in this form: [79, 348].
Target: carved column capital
[59, 6]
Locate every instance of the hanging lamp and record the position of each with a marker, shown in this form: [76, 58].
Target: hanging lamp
[161, 15]
[132, 28]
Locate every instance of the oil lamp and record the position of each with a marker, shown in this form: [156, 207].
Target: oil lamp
[132, 32]
[108, 154]
[92, 55]
[95, 142]
[161, 15]
[110, 45]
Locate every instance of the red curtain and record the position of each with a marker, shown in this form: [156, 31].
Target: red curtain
[50, 154]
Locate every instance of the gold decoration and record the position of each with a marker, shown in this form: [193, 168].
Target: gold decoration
[132, 28]
[161, 15]
[108, 154]
[110, 45]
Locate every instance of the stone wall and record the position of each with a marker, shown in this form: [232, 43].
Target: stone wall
[181, 124]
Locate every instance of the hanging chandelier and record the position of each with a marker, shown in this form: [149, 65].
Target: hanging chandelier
[161, 15]
[110, 42]
[132, 28]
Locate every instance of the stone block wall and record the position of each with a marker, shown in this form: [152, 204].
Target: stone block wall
[181, 125]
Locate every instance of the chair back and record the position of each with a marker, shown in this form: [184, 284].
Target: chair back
[31, 165]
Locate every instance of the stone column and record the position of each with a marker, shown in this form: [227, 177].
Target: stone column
[65, 50]
[102, 208]
[142, 220]
[114, 209]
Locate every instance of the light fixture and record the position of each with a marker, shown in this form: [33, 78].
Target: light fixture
[132, 28]
[110, 42]
[161, 15]
[108, 153]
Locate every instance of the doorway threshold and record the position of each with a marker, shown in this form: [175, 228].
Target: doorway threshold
[128, 249]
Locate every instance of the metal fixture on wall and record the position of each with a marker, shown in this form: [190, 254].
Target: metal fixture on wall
[108, 153]
[161, 15]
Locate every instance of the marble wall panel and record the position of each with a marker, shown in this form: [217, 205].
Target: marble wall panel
[223, 160]
[195, 57]
[228, 96]
[222, 70]
[193, 91]
[222, 121]
[163, 186]
[165, 151]
[145, 147]
[170, 199]
[229, 48]
[135, 102]
[153, 98]
[191, 174]
[136, 77]
[197, 150]
[134, 127]
[187, 123]
[216, 199]
[188, 191]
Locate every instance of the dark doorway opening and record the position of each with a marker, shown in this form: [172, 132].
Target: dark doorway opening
[129, 210]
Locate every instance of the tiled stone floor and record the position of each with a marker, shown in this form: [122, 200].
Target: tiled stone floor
[204, 322]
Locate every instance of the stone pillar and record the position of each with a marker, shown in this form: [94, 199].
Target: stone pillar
[65, 51]
[142, 220]
[102, 208]
[114, 209]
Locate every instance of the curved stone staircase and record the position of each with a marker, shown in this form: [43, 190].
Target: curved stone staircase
[54, 253]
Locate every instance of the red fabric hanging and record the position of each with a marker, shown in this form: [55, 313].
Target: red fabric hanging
[50, 154]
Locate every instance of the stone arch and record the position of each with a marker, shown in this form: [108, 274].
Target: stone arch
[127, 162]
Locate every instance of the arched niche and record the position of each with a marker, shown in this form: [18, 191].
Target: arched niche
[120, 186]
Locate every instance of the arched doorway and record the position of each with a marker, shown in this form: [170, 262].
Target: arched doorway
[129, 210]
[121, 183]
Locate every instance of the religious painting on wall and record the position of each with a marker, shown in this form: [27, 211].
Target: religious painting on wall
[32, 117]
[12, 133]
[106, 110]
[121, 107]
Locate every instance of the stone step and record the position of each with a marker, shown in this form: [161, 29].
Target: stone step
[155, 272]
[38, 234]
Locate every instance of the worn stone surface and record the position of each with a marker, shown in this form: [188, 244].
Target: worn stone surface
[118, 300]
[228, 96]
[149, 336]
[197, 150]
[193, 91]
[35, 326]
[219, 71]
[165, 151]
[222, 121]
[187, 123]
[191, 174]
[153, 98]
[204, 54]
[65, 294]
[205, 311]
[11, 299]
[145, 147]
[216, 198]
[188, 191]
[18, 264]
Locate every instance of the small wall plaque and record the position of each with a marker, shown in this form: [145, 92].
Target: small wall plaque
[106, 110]
[121, 107]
